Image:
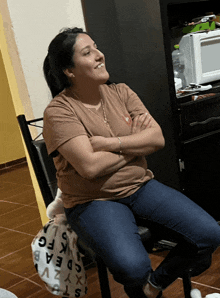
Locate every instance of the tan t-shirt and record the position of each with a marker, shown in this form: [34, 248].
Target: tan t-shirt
[66, 117]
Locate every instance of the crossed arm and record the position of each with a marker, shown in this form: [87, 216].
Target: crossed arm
[98, 156]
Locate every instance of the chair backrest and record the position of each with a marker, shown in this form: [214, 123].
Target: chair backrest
[47, 165]
[42, 163]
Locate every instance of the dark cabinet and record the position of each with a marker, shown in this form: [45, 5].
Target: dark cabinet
[137, 38]
[202, 173]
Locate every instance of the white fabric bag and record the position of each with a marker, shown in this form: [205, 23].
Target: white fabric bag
[57, 259]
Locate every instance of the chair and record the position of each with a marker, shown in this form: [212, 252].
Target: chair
[46, 176]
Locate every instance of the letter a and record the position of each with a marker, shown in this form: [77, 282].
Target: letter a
[48, 258]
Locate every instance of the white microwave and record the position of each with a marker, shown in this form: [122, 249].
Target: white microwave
[201, 56]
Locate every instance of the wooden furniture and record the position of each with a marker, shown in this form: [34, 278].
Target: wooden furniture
[137, 38]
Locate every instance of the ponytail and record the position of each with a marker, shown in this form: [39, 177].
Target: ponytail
[59, 58]
[53, 81]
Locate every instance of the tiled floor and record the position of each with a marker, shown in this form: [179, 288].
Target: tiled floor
[20, 222]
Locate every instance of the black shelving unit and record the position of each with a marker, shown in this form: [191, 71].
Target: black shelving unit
[199, 121]
[137, 38]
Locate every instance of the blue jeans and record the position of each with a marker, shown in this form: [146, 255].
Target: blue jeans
[110, 229]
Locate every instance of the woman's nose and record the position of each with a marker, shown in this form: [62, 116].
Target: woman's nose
[100, 55]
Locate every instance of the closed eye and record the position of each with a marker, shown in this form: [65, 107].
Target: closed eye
[87, 50]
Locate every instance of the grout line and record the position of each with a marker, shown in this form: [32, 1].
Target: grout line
[19, 183]
[3, 201]
[18, 275]
[12, 273]
[17, 231]
[12, 230]
[11, 253]
[15, 203]
[200, 284]
[27, 187]
[29, 223]
[25, 279]
[197, 283]
[42, 289]
[34, 275]
[15, 195]
[21, 206]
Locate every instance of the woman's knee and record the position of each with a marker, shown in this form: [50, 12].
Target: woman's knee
[210, 237]
[214, 237]
[131, 269]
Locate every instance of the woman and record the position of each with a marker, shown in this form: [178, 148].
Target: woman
[99, 135]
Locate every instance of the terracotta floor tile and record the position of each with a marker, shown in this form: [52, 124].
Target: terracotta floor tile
[6, 207]
[12, 241]
[175, 290]
[19, 176]
[10, 190]
[20, 262]
[9, 279]
[25, 197]
[36, 278]
[208, 278]
[211, 277]
[2, 230]
[43, 294]
[32, 227]
[15, 219]
[24, 289]
[34, 203]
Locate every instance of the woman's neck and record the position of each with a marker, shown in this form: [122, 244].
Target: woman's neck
[87, 95]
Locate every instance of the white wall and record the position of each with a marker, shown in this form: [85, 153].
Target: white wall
[35, 23]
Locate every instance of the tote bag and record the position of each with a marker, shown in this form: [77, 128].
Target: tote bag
[58, 261]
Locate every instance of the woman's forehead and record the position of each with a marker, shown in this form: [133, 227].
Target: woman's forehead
[83, 40]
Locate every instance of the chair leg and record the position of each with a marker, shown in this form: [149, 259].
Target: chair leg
[187, 285]
[103, 278]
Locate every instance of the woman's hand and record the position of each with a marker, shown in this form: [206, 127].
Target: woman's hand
[141, 122]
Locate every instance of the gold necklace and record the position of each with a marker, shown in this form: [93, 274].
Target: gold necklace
[103, 109]
[104, 113]
[102, 105]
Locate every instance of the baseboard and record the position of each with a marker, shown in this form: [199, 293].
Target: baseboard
[11, 164]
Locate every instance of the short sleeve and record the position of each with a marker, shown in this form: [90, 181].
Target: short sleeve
[60, 125]
[131, 100]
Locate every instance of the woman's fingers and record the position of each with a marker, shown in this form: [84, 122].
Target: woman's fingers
[135, 125]
[146, 121]
[141, 122]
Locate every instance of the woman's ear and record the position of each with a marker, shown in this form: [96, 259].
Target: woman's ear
[69, 73]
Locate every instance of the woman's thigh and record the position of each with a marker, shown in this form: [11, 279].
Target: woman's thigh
[170, 208]
[110, 229]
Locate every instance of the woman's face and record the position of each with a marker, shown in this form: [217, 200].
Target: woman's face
[89, 61]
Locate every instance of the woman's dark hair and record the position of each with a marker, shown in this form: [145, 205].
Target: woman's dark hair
[59, 58]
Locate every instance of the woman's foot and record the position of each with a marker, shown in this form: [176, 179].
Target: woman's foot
[151, 292]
